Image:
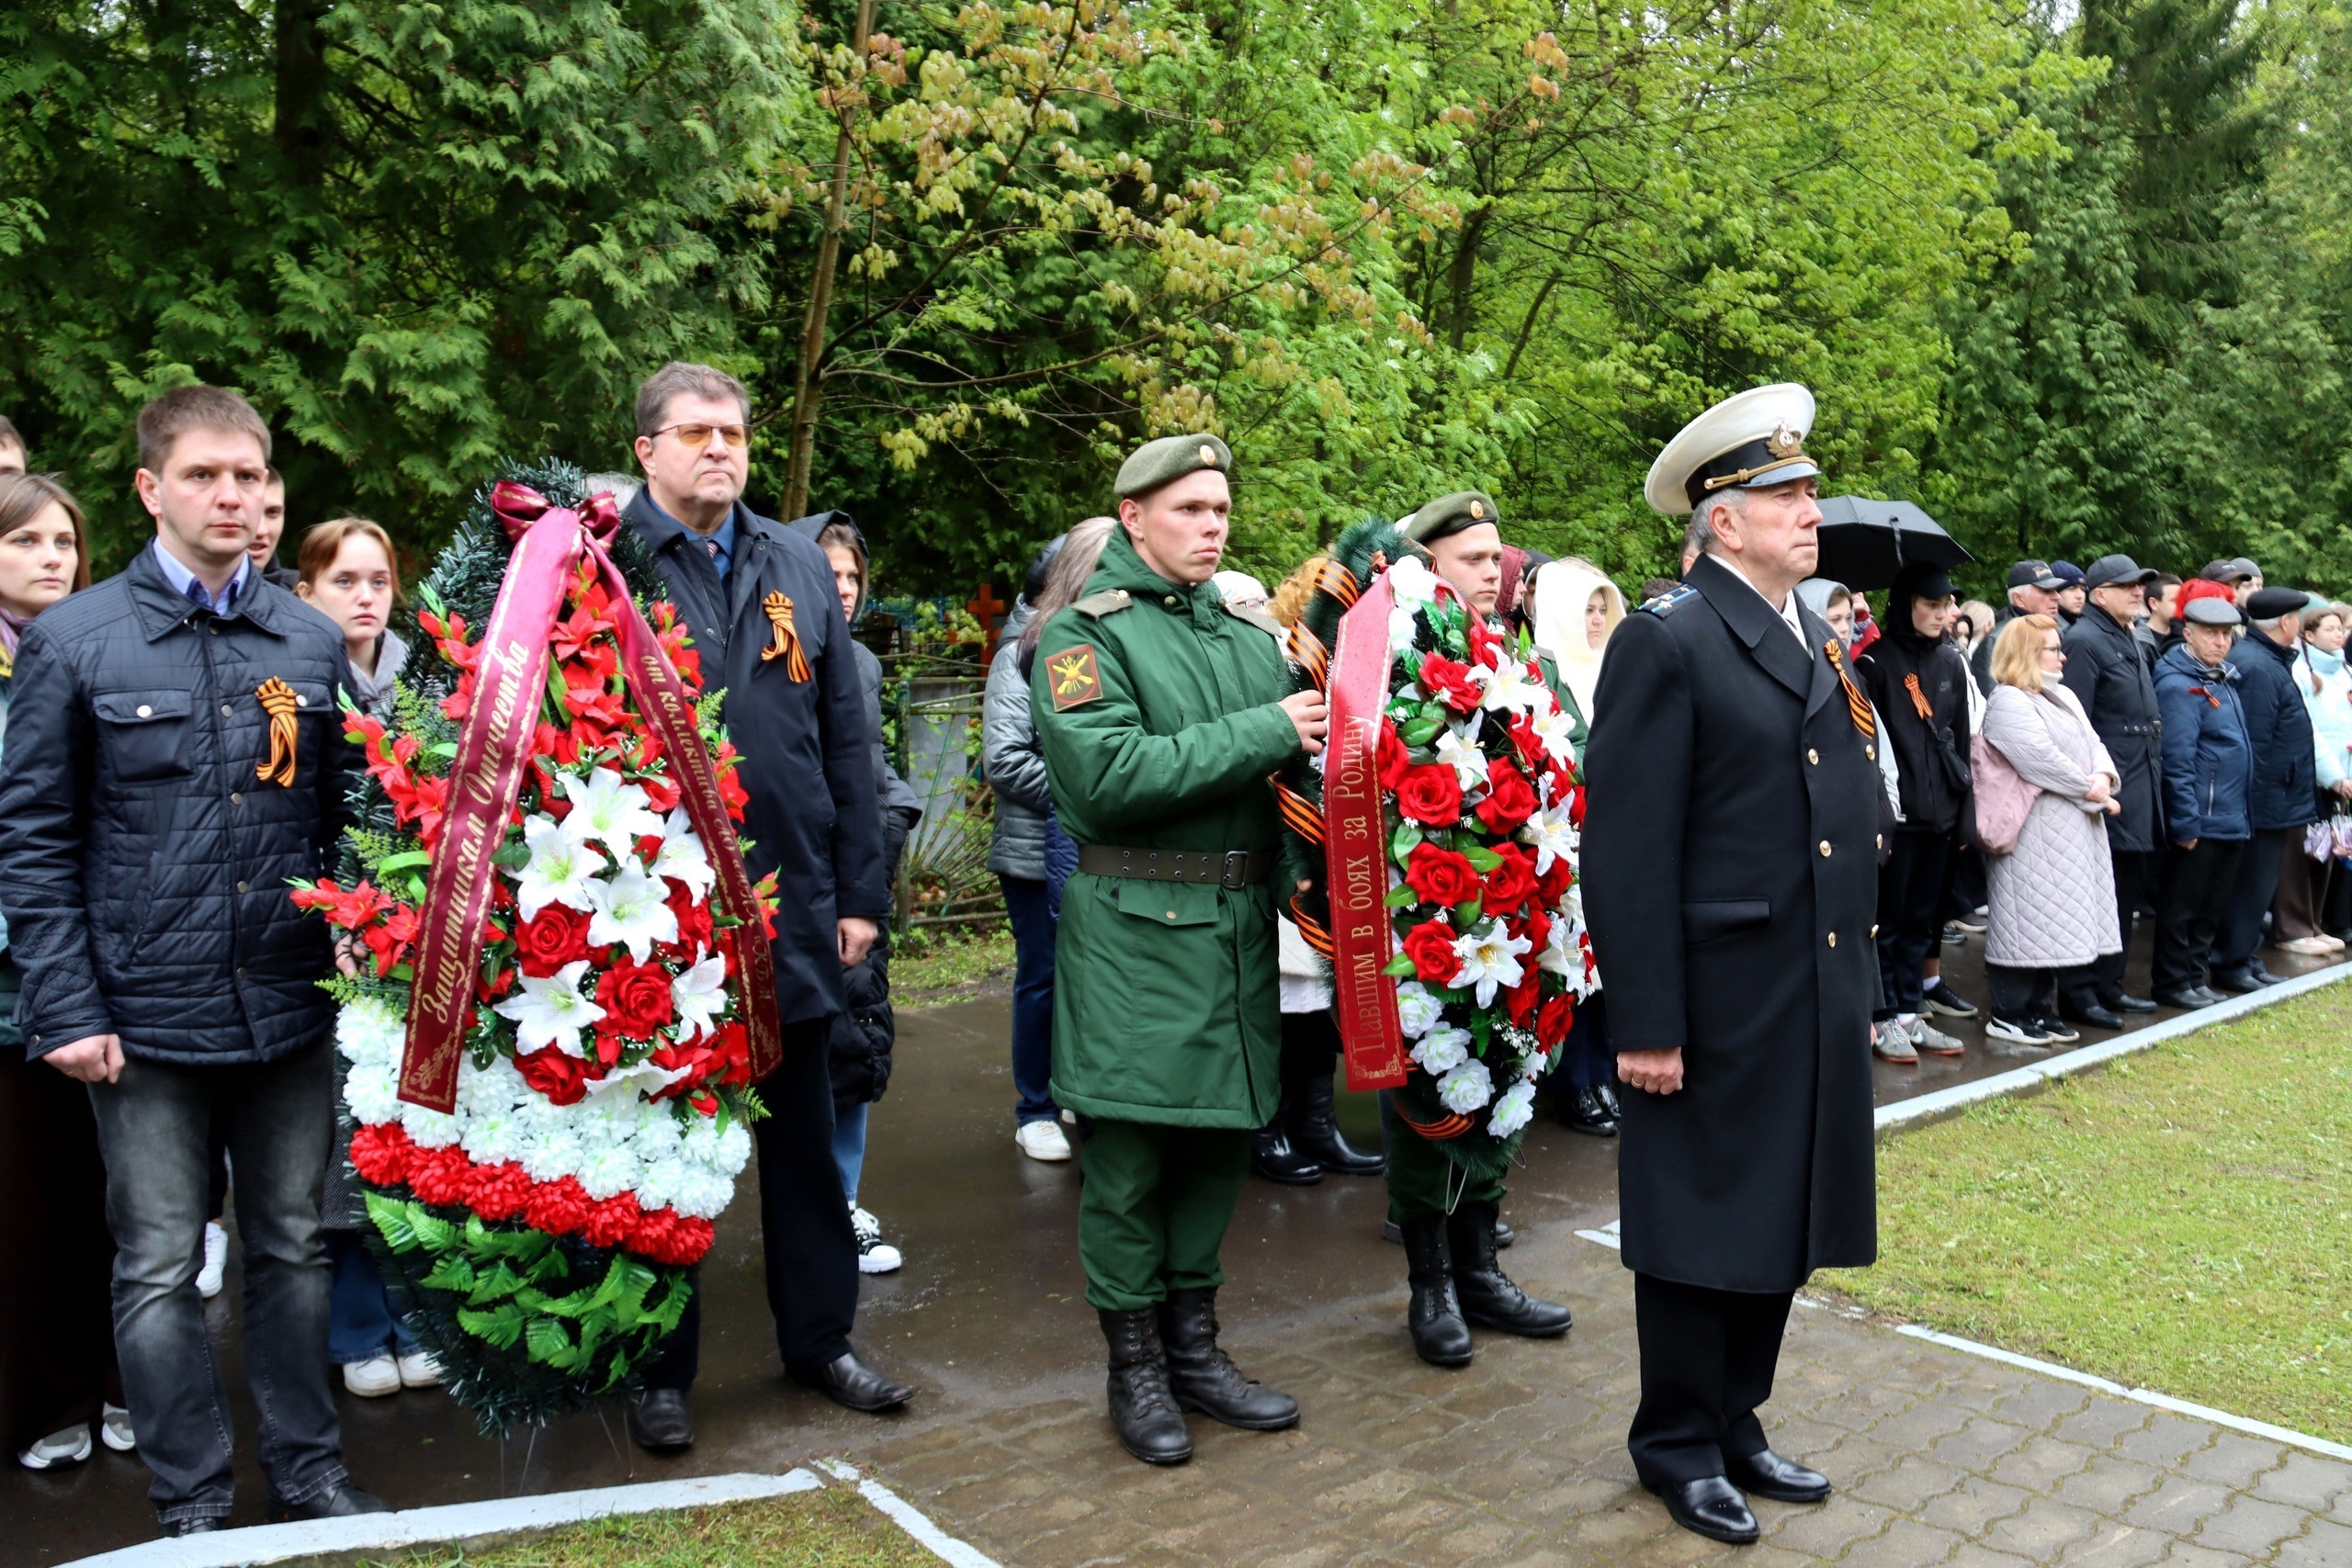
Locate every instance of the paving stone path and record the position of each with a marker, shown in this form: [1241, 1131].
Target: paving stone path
[1938, 1458]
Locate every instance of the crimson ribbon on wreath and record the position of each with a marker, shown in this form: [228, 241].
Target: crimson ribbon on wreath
[486, 781]
[1355, 846]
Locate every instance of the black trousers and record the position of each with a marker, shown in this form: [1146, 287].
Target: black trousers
[1707, 1362]
[2251, 890]
[1910, 917]
[806, 1244]
[1311, 1046]
[2022, 994]
[2136, 872]
[2197, 885]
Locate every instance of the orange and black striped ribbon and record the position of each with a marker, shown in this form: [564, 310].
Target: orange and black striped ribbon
[1339, 583]
[1918, 697]
[277, 701]
[786, 644]
[1298, 813]
[1307, 651]
[1440, 1131]
[1317, 937]
[1856, 705]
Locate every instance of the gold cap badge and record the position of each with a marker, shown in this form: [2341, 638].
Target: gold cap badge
[1783, 441]
[1477, 509]
[1208, 455]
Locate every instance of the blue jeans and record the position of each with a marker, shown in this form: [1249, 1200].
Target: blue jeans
[362, 1322]
[154, 1128]
[849, 1146]
[1029, 902]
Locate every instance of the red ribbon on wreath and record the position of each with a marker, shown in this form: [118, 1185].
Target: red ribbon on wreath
[494, 748]
[1355, 847]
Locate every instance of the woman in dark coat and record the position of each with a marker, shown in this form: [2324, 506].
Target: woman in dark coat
[57, 1363]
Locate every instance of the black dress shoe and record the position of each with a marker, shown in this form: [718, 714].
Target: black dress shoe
[1204, 1377]
[661, 1422]
[337, 1502]
[203, 1524]
[845, 1380]
[1315, 1134]
[2096, 1015]
[2187, 1001]
[1143, 1410]
[2236, 981]
[1275, 1157]
[1440, 1334]
[1587, 1111]
[1711, 1507]
[1769, 1475]
[1489, 1297]
[2129, 1003]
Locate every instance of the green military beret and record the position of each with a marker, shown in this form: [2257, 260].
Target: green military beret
[1168, 459]
[1450, 514]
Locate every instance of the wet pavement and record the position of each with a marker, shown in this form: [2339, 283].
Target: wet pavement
[988, 1321]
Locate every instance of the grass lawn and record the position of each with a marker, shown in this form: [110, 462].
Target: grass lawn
[927, 967]
[832, 1529]
[2179, 1221]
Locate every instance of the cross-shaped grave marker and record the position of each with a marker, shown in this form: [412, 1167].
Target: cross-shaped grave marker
[985, 607]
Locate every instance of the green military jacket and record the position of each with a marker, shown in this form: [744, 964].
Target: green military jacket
[1158, 715]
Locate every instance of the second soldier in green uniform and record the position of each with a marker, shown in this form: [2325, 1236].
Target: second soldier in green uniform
[1162, 713]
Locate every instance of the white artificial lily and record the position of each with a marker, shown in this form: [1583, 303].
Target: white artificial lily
[700, 995]
[1509, 689]
[1457, 746]
[644, 1076]
[1442, 1049]
[550, 1011]
[681, 855]
[1553, 726]
[562, 868]
[630, 911]
[609, 811]
[1561, 954]
[1551, 835]
[1489, 957]
[1467, 1088]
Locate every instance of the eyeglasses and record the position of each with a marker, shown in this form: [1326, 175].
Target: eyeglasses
[698, 436]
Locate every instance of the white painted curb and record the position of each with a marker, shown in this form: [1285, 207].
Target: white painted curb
[941, 1544]
[2025, 1079]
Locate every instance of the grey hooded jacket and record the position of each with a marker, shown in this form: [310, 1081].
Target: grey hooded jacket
[1010, 757]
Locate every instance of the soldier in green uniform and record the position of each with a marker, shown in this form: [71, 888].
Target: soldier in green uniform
[1162, 711]
[1448, 1220]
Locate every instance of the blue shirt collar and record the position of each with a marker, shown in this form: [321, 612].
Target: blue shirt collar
[725, 537]
[184, 581]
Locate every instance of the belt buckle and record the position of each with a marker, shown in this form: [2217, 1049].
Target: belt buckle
[1236, 870]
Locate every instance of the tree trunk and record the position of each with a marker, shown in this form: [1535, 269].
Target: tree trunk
[1463, 274]
[300, 92]
[807, 384]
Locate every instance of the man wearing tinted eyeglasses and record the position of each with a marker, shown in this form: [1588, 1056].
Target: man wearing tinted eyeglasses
[767, 624]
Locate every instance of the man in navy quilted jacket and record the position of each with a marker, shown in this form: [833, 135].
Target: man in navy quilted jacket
[174, 757]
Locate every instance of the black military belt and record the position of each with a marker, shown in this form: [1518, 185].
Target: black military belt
[1227, 868]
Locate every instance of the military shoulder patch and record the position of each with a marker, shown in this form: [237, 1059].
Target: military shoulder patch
[1108, 601]
[1666, 604]
[1259, 619]
[1075, 679]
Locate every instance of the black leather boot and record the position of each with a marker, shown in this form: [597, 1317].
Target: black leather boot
[1315, 1132]
[1488, 1297]
[1585, 1110]
[1273, 1155]
[1441, 1334]
[1204, 1377]
[1143, 1412]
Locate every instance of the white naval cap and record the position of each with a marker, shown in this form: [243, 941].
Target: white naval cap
[1751, 438]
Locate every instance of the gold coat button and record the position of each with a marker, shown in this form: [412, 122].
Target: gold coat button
[1872, 753]
[1812, 755]
[1873, 931]
[1825, 848]
[1882, 840]
[1833, 939]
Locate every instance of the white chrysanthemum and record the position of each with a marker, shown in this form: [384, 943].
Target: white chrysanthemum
[554, 1153]
[703, 1194]
[493, 1137]
[367, 1031]
[1490, 958]
[1416, 1009]
[632, 913]
[701, 1143]
[428, 1129]
[372, 1091]
[1467, 1088]
[1514, 1108]
[659, 1187]
[681, 855]
[1412, 582]
[734, 1151]
[607, 1169]
[1442, 1049]
[608, 810]
[495, 1088]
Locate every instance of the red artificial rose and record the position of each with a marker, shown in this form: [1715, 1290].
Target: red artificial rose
[440, 1176]
[1552, 1023]
[1510, 799]
[1392, 759]
[557, 1207]
[1449, 681]
[732, 1046]
[1553, 886]
[611, 1222]
[554, 937]
[1520, 1000]
[1537, 930]
[1440, 876]
[380, 1154]
[1510, 885]
[1430, 947]
[636, 999]
[1528, 743]
[1430, 794]
[1576, 807]
[561, 1077]
[694, 921]
[498, 1191]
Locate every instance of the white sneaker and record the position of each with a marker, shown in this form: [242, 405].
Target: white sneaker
[114, 1429]
[71, 1446]
[418, 1369]
[1043, 1140]
[2309, 947]
[875, 1255]
[1892, 1043]
[216, 1260]
[373, 1378]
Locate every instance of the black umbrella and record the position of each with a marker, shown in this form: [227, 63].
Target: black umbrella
[1864, 543]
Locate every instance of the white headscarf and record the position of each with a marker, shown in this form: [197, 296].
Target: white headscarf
[1240, 588]
[1562, 588]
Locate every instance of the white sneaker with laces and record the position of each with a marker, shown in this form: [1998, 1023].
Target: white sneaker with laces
[1043, 1140]
[875, 1255]
[418, 1369]
[2309, 947]
[216, 1260]
[71, 1446]
[1891, 1041]
[373, 1378]
[114, 1429]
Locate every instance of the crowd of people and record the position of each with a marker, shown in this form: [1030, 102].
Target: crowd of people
[2111, 743]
